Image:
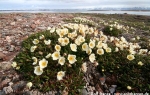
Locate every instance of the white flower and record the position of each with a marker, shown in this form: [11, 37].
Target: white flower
[130, 57]
[72, 58]
[81, 39]
[111, 29]
[52, 30]
[84, 47]
[89, 51]
[73, 47]
[35, 41]
[57, 47]
[140, 63]
[99, 45]
[48, 55]
[29, 85]
[38, 70]
[92, 57]
[60, 75]
[56, 55]
[48, 28]
[129, 87]
[84, 67]
[32, 49]
[41, 37]
[66, 41]
[108, 49]
[116, 49]
[47, 42]
[43, 63]
[18, 67]
[77, 42]
[91, 30]
[92, 44]
[143, 51]
[61, 60]
[14, 64]
[35, 60]
[61, 41]
[100, 51]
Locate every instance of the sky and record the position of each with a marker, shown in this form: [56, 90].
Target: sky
[70, 4]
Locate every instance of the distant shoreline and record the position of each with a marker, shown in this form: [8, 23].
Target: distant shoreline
[131, 12]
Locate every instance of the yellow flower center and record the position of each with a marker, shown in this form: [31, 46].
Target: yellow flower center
[43, 63]
[56, 55]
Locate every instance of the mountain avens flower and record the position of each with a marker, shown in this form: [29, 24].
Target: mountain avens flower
[35, 60]
[130, 57]
[47, 42]
[14, 64]
[57, 47]
[92, 57]
[43, 63]
[72, 58]
[38, 70]
[60, 75]
[35, 41]
[29, 85]
[129, 87]
[32, 49]
[61, 60]
[73, 47]
[56, 55]
[100, 51]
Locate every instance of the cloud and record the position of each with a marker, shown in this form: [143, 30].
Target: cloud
[62, 4]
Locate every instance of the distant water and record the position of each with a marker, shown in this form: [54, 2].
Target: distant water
[147, 13]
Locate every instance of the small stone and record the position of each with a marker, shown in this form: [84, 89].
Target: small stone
[114, 86]
[7, 90]
[112, 90]
[4, 83]
[12, 23]
[33, 26]
[102, 80]
[19, 86]
[2, 55]
[2, 93]
[8, 39]
[84, 92]
[11, 48]
[5, 65]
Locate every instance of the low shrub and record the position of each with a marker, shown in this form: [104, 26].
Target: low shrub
[56, 59]
[112, 31]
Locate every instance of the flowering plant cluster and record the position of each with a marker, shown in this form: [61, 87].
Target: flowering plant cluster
[84, 21]
[56, 59]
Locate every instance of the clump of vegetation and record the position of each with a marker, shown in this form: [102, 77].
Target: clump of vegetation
[56, 59]
[112, 31]
[80, 20]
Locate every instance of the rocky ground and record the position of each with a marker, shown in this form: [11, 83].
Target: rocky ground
[14, 28]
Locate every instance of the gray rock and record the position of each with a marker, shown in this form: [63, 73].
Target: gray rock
[5, 65]
[84, 92]
[12, 47]
[2, 93]
[112, 89]
[7, 90]
[19, 86]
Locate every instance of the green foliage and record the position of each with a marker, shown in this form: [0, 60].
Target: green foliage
[48, 80]
[112, 31]
[111, 62]
[125, 72]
